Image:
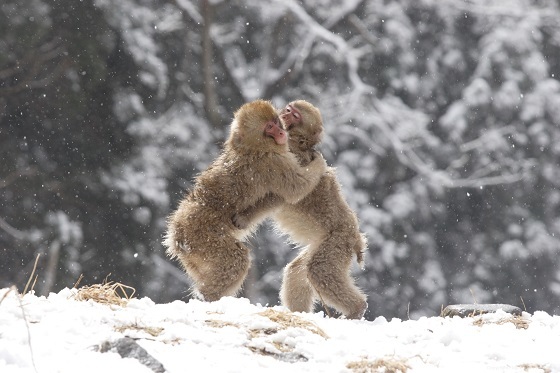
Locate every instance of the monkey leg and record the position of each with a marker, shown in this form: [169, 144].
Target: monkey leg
[296, 292]
[218, 269]
[329, 274]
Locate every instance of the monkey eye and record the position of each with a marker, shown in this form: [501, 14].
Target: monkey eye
[296, 115]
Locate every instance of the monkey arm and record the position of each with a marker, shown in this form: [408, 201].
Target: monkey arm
[296, 182]
[256, 212]
[311, 174]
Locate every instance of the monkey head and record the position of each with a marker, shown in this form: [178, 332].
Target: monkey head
[257, 127]
[304, 123]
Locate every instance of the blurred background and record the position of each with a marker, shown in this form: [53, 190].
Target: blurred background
[441, 117]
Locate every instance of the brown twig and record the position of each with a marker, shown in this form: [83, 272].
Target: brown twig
[474, 298]
[8, 292]
[78, 281]
[31, 276]
[523, 302]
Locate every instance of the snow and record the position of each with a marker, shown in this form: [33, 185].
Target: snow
[61, 334]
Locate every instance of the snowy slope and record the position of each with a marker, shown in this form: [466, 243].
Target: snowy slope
[62, 334]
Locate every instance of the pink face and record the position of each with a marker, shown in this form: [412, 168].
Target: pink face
[290, 115]
[274, 129]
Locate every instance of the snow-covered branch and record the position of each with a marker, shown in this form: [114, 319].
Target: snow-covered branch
[191, 10]
[345, 52]
[487, 137]
[405, 153]
[516, 9]
[346, 8]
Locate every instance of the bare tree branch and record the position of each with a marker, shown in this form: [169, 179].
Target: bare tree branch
[11, 178]
[362, 29]
[16, 233]
[32, 66]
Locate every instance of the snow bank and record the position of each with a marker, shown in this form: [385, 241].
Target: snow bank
[60, 334]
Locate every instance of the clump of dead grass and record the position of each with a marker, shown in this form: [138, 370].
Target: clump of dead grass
[385, 365]
[108, 292]
[284, 320]
[518, 321]
[151, 330]
[12, 289]
[289, 320]
[276, 349]
[220, 323]
[530, 367]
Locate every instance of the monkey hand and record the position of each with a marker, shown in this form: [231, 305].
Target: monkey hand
[318, 164]
[360, 259]
[239, 220]
[360, 248]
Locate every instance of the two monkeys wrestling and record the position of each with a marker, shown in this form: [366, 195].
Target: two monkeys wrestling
[262, 172]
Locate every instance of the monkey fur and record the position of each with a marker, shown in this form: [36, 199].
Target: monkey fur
[254, 163]
[322, 223]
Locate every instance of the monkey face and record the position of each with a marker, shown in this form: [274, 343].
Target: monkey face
[274, 129]
[304, 123]
[290, 115]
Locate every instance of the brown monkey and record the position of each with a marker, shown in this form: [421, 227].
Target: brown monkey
[322, 223]
[255, 162]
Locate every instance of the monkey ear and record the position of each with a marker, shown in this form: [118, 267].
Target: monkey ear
[237, 139]
[318, 135]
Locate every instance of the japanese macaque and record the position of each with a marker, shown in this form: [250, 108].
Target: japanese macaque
[322, 223]
[255, 162]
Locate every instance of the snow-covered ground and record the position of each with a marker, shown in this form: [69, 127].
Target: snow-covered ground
[61, 334]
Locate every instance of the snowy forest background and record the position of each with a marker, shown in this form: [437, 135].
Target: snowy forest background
[441, 116]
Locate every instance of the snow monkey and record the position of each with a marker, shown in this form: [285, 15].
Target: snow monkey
[322, 223]
[254, 163]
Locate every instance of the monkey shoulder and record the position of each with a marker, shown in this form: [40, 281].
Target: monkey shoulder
[251, 173]
[213, 185]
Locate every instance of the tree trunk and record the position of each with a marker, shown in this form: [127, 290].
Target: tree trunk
[210, 96]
